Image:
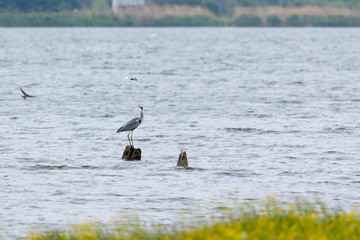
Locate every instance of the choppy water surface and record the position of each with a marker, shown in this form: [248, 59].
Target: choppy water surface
[259, 111]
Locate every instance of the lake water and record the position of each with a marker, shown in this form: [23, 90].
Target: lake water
[259, 111]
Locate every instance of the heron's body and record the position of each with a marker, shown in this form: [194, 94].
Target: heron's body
[131, 125]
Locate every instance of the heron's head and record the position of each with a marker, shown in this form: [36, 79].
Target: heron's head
[133, 79]
[140, 106]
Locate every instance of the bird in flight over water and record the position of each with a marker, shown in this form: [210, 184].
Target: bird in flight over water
[25, 94]
[131, 125]
[126, 79]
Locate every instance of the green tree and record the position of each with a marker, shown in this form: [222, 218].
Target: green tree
[248, 21]
[294, 21]
[43, 5]
[212, 5]
[273, 21]
[226, 6]
[3, 4]
[100, 6]
[21, 5]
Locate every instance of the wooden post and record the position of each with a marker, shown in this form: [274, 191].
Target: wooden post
[182, 160]
[131, 154]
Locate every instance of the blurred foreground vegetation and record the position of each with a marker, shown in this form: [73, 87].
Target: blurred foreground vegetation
[271, 220]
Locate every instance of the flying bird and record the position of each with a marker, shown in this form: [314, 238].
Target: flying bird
[133, 79]
[126, 79]
[131, 125]
[25, 94]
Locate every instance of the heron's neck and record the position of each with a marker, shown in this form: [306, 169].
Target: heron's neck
[141, 115]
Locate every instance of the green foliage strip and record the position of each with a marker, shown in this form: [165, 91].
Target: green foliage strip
[69, 19]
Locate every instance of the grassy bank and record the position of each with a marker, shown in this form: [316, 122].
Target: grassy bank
[297, 16]
[195, 21]
[69, 19]
[245, 20]
[62, 19]
[297, 21]
[267, 221]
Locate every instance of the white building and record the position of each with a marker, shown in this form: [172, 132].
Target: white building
[126, 3]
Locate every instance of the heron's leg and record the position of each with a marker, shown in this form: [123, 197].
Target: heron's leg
[132, 139]
[129, 138]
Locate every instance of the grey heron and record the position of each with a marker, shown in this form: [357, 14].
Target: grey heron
[25, 94]
[132, 124]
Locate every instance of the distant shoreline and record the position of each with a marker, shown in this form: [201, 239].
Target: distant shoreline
[309, 16]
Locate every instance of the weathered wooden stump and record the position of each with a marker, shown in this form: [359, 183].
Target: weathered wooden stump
[182, 160]
[131, 154]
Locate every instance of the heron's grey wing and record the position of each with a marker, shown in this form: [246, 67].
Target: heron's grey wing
[131, 125]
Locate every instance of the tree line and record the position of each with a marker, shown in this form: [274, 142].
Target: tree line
[216, 6]
[299, 3]
[48, 5]
[39, 6]
[263, 3]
